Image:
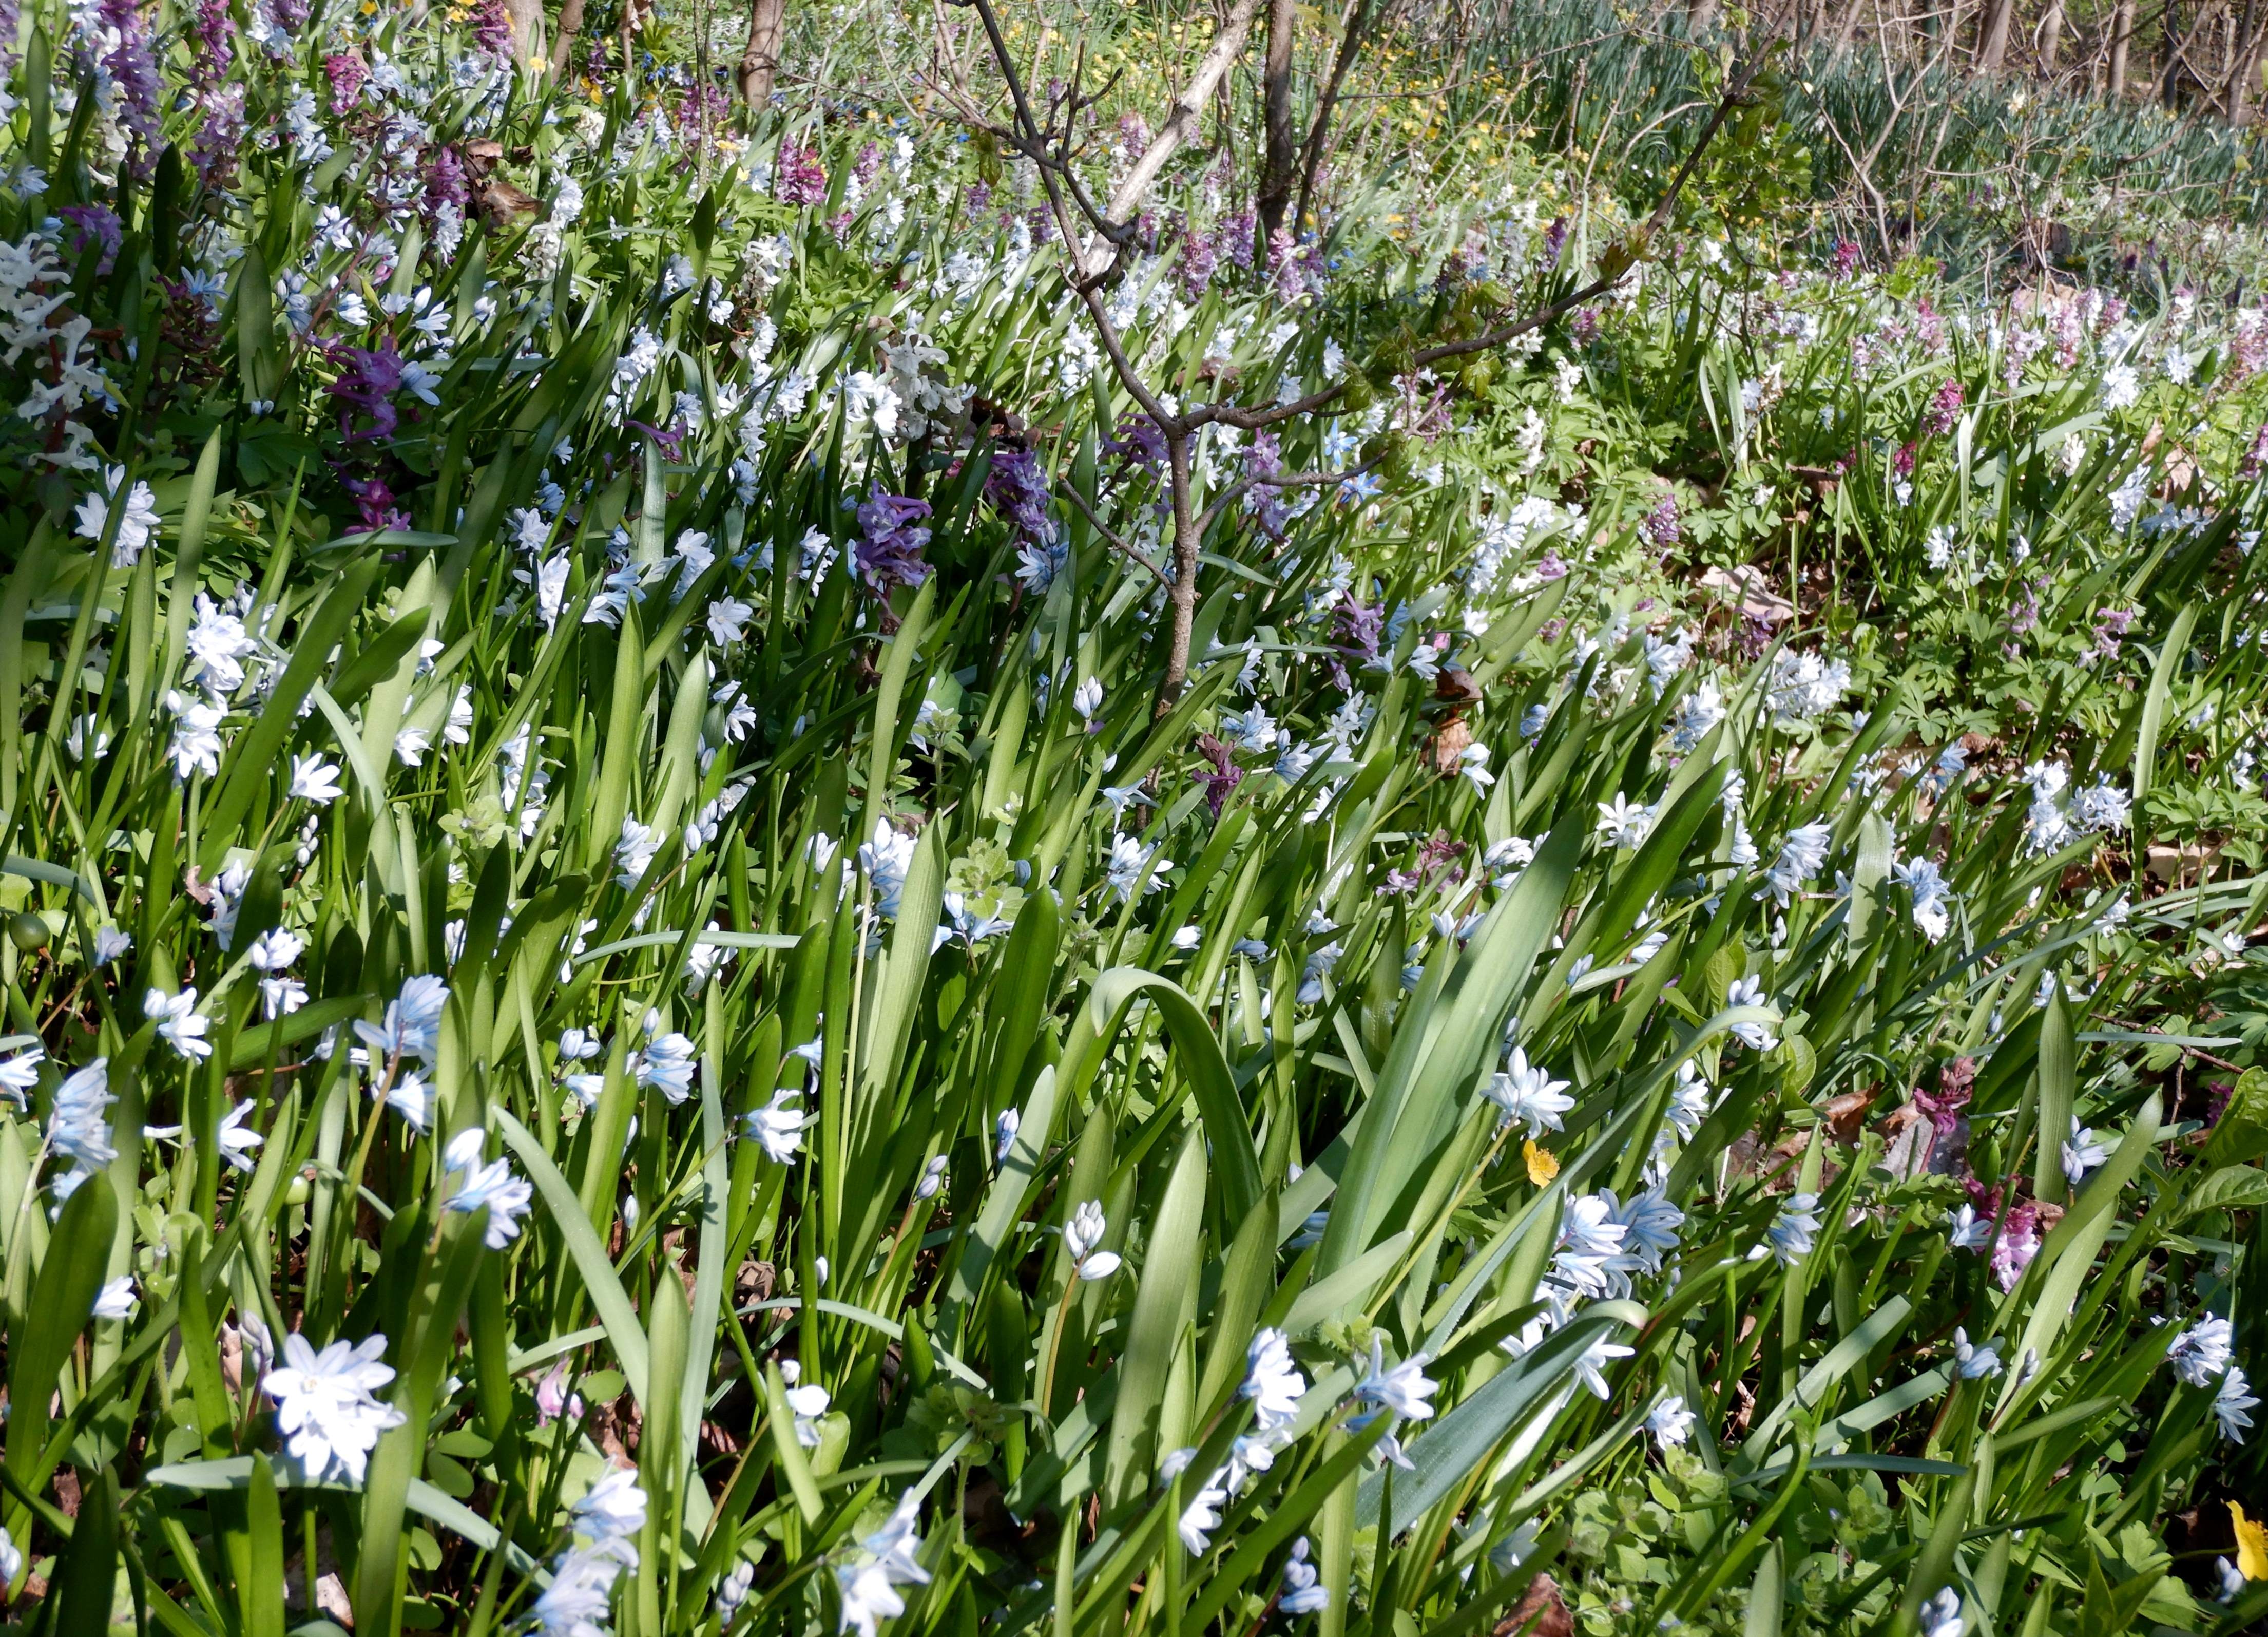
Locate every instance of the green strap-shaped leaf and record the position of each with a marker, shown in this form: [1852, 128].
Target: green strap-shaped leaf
[1004, 1201]
[2057, 1075]
[1446, 1453]
[897, 663]
[63, 1300]
[252, 759]
[1445, 1061]
[2071, 1248]
[234, 1472]
[1846, 1355]
[1352, 1283]
[88, 1572]
[616, 1310]
[2170, 655]
[1161, 1308]
[1227, 1129]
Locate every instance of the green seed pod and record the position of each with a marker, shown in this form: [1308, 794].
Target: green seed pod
[28, 931]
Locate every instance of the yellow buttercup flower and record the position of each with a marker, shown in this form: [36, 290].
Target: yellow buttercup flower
[2251, 1544]
[1543, 1167]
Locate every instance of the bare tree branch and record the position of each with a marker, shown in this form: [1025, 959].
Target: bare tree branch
[1117, 542]
[1311, 159]
[1188, 110]
[1237, 491]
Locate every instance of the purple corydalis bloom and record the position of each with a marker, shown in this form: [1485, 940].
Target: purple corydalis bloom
[220, 137]
[1200, 255]
[1550, 567]
[1845, 258]
[1954, 1083]
[1944, 410]
[798, 179]
[1555, 240]
[97, 223]
[1902, 463]
[1017, 486]
[869, 164]
[891, 541]
[2024, 612]
[1140, 441]
[214, 30]
[376, 504]
[1283, 264]
[671, 443]
[1438, 852]
[1358, 628]
[373, 375]
[1660, 526]
[444, 182]
[348, 74]
[1929, 328]
[1264, 458]
[1224, 775]
[2255, 458]
[2110, 626]
[492, 28]
[1134, 131]
[1236, 234]
[133, 69]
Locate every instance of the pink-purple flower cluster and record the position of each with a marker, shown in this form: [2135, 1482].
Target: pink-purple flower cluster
[1017, 486]
[133, 68]
[1660, 526]
[372, 376]
[95, 225]
[1944, 410]
[891, 541]
[348, 73]
[799, 178]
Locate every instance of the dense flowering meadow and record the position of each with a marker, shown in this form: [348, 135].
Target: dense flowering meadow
[638, 1004]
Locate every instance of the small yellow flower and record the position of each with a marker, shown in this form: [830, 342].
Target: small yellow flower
[1543, 1167]
[2251, 1544]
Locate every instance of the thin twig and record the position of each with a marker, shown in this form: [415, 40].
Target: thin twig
[1111, 535]
[1286, 480]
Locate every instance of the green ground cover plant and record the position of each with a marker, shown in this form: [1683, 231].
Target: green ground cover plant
[736, 904]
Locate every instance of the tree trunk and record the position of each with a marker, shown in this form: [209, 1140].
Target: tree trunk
[2122, 35]
[526, 30]
[1992, 39]
[759, 62]
[571, 25]
[1183, 598]
[2177, 57]
[2050, 37]
[1281, 160]
[2244, 66]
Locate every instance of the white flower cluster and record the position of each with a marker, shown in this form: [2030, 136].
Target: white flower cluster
[2054, 823]
[1803, 686]
[34, 286]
